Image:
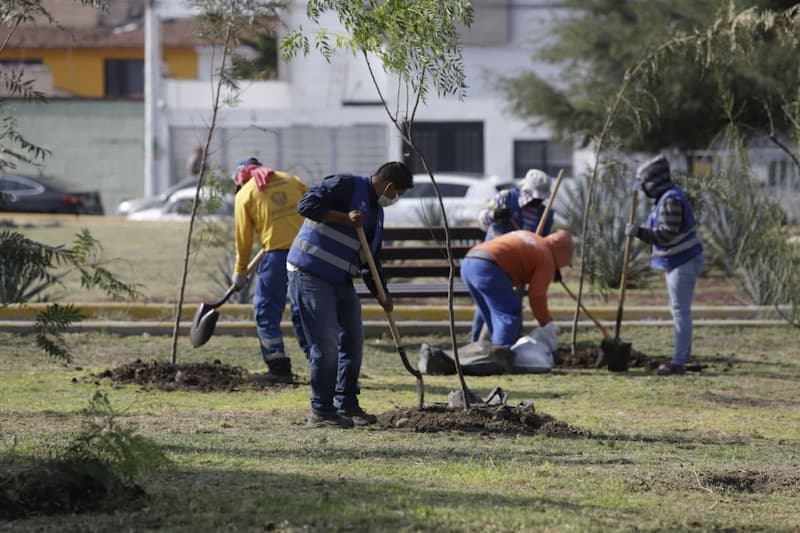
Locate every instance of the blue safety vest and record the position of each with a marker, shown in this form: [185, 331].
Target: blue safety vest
[332, 251]
[512, 203]
[685, 245]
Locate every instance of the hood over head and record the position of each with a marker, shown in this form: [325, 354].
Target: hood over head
[654, 176]
[561, 246]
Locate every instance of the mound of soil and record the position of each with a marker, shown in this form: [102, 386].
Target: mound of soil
[201, 377]
[484, 419]
[62, 487]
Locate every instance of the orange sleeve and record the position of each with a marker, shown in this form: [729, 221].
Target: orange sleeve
[537, 291]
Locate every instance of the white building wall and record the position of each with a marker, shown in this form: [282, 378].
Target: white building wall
[313, 92]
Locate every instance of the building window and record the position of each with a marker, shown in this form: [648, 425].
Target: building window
[549, 156]
[124, 78]
[447, 146]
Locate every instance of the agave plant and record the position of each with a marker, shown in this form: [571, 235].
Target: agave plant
[606, 228]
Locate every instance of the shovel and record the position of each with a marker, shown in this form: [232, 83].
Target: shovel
[616, 353]
[205, 319]
[392, 326]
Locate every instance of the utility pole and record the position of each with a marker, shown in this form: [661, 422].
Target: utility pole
[155, 139]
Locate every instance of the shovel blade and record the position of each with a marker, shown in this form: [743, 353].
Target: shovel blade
[617, 354]
[203, 324]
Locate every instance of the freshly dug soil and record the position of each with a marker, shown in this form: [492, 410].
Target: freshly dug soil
[200, 377]
[587, 356]
[479, 418]
[65, 487]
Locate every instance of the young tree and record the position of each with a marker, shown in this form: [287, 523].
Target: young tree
[418, 43]
[223, 24]
[735, 35]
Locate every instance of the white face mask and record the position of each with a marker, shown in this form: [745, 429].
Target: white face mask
[385, 201]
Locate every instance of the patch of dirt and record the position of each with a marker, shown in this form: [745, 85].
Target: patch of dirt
[587, 355]
[65, 488]
[484, 419]
[200, 377]
[752, 482]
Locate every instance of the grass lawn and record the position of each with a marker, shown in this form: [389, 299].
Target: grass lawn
[716, 450]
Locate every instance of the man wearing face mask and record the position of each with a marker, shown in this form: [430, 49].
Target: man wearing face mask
[322, 261]
[671, 230]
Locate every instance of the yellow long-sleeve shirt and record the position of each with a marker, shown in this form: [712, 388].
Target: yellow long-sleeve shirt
[271, 214]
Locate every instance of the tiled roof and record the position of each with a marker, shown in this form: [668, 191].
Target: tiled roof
[174, 33]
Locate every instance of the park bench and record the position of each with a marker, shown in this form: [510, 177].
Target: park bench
[414, 260]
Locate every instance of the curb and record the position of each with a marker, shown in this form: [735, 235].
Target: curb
[372, 328]
[158, 312]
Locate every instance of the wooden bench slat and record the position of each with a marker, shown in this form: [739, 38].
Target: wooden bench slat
[419, 233]
[399, 253]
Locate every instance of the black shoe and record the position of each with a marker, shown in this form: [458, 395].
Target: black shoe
[359, 416]
[316, 420]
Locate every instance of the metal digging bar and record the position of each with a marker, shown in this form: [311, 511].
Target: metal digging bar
[392, 326]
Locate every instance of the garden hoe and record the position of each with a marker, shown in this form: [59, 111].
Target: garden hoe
[205, 319]
[392, 326]
[616, 353]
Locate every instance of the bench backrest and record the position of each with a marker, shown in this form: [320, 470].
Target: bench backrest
[414, 259]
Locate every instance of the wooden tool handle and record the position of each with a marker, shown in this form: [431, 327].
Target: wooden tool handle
[625, 257]
[543, 220]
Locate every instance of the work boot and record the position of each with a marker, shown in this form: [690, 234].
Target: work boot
[279, 372]
[337, 421]
[359, 416]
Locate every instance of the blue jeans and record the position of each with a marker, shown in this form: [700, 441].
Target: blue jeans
[493, 292]
[330, 315]
[477, 318]
[681, 281]
[269, 301]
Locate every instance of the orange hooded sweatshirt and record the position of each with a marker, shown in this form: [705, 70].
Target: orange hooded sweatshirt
[529, 258]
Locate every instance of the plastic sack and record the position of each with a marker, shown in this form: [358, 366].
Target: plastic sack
[531, 357]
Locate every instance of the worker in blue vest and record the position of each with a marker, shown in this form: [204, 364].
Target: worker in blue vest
[514, 209]
[322, 261]
[671, 231]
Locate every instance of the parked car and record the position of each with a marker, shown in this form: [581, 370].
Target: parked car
[463, 196]
[179, 207]
[40, 194]
[126, 207]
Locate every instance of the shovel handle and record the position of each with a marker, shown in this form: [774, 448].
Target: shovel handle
[373, 269]
[625, 257]
[543, 220]
[250, 266]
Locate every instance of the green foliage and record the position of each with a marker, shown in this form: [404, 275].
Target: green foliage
[50, 327]
[27, 268]
[104, 439]
[417, 41]
[675, 102]
[264, 64]
[605, 228]
[231, 24]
